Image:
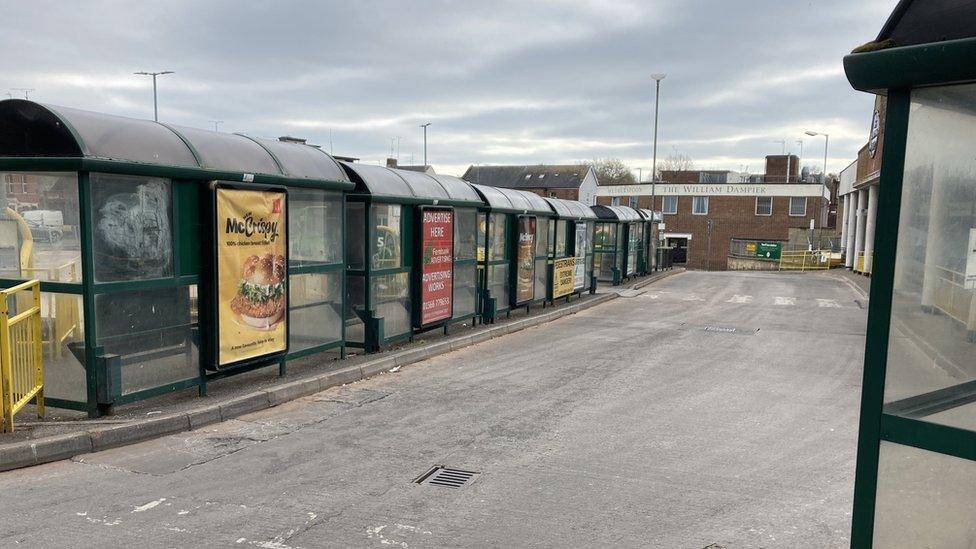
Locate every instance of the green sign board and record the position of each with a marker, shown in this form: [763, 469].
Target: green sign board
[768, 250]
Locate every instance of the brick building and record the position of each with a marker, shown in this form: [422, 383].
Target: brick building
[700, 220]
[569, 182]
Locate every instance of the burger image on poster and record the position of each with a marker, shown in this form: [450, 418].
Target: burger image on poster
[260, 299]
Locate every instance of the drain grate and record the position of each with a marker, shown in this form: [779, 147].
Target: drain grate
[447, 477]
[731, 330]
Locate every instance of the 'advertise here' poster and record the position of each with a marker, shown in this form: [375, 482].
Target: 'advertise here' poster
[252, 274]
[437, 260]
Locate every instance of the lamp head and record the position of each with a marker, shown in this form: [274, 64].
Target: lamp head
[658, 76]
[812, 134]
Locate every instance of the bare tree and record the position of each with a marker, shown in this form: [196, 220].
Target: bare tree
[612, 171]
[675, 162]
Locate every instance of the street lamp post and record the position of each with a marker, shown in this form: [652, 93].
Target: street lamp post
[424, 126]
[657, 94]
[155, 103]
[824, 180]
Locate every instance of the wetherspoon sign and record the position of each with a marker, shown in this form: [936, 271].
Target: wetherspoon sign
[437, 273]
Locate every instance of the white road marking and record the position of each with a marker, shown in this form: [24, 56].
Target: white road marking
[740, 299]
[778, 300]
[827, 303]
[148, 506]
[692, 297]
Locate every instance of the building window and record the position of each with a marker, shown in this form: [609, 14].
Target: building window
[670, 205]
[615, 201]
[764, 205]
[798, 206]
[699, 205]
[632, 202]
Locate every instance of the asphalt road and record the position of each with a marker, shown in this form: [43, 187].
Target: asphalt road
[644, 422]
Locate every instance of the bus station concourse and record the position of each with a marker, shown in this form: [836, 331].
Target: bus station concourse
[915, 483]
[169, 257]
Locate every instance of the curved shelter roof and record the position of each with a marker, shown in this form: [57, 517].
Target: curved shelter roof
[617, 213]
[500, 199]
[406, 186]
[29, 129]
[570, 209]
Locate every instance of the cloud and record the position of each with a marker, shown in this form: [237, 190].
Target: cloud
[502, 82]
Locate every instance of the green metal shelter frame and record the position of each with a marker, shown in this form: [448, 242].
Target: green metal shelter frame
[136, 331]
[616, 241]
[916, 454]
[571, 214]
[500, 213]
[382, 231]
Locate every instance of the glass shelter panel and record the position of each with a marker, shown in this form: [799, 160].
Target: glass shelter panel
[131, 227]
[386, 245]
[356, 235]
[497, 242]
[924, 499]
[465, 233]
[62, 336]
[39, 224]
[934, 298]
[314, 227]
[391, 300]
[153, 331]
[315, 309]
[465, 289]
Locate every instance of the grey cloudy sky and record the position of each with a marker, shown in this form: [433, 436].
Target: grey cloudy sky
[501, 82]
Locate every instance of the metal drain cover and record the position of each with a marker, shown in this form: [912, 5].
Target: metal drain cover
[447, 477]
[731, 330]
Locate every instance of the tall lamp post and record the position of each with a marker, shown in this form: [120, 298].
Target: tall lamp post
[424, 126]
[154, 75]
[824, 181]
[657, 94]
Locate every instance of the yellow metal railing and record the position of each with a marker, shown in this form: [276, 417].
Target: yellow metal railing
[804, 260]
[21, 363]
[66, 323]
[953, 298]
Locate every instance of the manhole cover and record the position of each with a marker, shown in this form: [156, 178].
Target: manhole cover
[447, 477]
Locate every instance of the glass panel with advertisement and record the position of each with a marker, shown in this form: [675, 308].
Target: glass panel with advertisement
[436, 264]
[580, 252]
[251, 250]
[525, 260]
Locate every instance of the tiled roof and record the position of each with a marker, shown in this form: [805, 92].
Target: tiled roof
[528, 177]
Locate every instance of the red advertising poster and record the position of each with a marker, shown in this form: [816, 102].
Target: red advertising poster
[437, 260]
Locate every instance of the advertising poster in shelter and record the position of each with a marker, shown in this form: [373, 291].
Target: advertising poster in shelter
[437, 261]
[525, 260]
[563, 275]
[579, 275]
[252, 274]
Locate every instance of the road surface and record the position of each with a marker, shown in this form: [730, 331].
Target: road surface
[713, 408]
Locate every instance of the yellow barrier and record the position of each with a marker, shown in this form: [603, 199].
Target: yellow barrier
[953, 298]
[67, 320]
[804, 260]
[21, 364]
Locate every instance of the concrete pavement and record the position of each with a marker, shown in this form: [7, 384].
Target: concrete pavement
[710, 408]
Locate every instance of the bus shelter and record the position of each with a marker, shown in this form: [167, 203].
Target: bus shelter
[571, 251]
[916, 458]
[617, 242]
[168, 256]
[647, 261]
[411, 241]
[513, 249]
